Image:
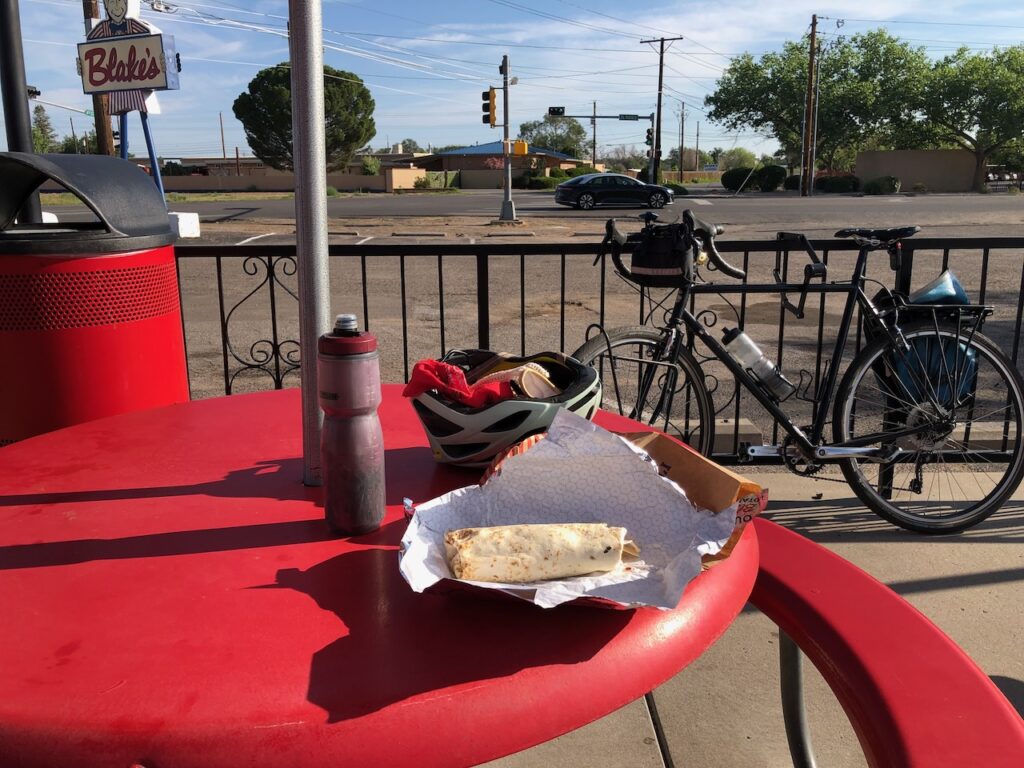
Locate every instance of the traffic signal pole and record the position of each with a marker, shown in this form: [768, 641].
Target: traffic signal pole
[508, 208]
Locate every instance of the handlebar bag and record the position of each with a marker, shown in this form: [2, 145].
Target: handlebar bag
[662, 257]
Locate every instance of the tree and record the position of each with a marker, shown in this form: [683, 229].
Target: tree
[44, 138]
[689, 160]
[81, 145]
[411, 145]
[737, 157]
[621, 158]
[265, 111]
[865, 90]
[559, 134]
[977, 102]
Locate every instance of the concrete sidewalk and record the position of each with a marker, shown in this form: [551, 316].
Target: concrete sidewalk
[724, 711]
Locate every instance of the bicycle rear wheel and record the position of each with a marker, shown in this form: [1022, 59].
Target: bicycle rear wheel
[668, 394]
[953, 403]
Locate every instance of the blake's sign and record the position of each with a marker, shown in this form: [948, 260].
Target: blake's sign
[126, 63]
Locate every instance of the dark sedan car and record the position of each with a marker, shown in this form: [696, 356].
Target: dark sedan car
[611, 189]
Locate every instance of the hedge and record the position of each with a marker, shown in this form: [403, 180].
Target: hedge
[884, 185]
[843, 183]
[543, 182]
[769, 177]
[732, 179]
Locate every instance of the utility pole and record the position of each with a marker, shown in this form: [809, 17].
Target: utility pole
[655, 163]
[682, 118]
[696, 151]
[806, 171]
[100, 101]
[508, 208]
[223, 147]
[593, 144]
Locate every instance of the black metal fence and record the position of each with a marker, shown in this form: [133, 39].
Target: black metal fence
[423, 300]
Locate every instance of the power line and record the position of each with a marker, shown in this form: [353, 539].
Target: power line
[563, 19]
[931, 23]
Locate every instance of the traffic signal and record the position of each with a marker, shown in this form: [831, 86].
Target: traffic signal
[490, 115]
[556, 111]
[649, 141]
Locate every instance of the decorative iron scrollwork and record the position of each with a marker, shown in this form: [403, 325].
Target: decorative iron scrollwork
[274, 357]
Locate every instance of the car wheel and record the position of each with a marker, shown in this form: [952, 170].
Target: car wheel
[585, 201]
[657, 200]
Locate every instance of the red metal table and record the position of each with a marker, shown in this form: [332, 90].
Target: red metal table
[172, 598]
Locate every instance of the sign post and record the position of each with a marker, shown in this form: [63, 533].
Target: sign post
[130, 60]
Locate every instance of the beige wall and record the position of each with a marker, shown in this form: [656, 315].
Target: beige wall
[479, 179]
[343, 182]
[402, 178]
[940, 170]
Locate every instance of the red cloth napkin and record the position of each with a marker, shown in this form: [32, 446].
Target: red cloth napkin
[450, 382]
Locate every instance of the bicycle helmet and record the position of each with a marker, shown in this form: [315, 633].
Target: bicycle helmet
[471, 437]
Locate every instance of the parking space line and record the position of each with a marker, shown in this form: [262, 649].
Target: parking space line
[254, 237]
[702, 202]
[365, 239]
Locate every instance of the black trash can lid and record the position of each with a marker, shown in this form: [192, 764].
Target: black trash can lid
[131, 211]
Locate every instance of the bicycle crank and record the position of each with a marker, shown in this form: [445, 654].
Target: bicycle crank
[827, 453]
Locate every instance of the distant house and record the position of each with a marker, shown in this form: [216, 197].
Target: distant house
[481, 157]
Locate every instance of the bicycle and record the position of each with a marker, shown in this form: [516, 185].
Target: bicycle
[926, 419]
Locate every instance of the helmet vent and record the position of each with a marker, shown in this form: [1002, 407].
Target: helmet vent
[433, 423]
[509, 423]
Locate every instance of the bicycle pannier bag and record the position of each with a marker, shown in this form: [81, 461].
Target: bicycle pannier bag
[662, 257]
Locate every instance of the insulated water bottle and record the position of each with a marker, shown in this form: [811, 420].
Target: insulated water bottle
[351, 443]
[749, 355]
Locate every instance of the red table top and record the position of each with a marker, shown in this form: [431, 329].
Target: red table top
[172, 597]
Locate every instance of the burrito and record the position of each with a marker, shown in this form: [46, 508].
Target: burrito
[517, 554]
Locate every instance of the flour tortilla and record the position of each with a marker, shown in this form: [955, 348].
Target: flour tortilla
[519, 554]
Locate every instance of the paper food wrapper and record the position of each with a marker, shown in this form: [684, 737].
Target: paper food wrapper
[581, 473]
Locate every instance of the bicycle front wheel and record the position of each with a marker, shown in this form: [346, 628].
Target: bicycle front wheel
[636, 382]
[952, 404]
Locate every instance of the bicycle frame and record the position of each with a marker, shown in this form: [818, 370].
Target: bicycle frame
[808, 443]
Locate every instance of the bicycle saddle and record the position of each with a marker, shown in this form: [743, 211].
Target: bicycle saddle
[882, 235]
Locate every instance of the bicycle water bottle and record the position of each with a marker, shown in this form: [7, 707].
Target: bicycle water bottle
[749, 355]
[351, 443]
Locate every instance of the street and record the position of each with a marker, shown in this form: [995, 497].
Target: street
[465, 215]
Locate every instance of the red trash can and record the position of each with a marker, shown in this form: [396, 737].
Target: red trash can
[90, 314]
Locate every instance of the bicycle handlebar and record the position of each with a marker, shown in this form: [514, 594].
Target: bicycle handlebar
[706, 233]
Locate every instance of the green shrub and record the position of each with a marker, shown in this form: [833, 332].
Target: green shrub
[542, 182]
[884, 185]
[732, 179]
[792, 182]
[921, 189]
[581, 170]
[423, 182]
[841, 183]
[769, 177]
[252, 188]
[332, 192]
[371, 165]
[678, 189]
[558, 173]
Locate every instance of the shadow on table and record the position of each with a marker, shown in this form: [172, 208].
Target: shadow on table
[400, 644]
[279, 479]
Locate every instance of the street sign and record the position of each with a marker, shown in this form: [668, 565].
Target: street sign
[629, 117]
[711, 167]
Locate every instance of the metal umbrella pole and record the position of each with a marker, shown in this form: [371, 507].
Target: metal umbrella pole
[15, 95]
[305, 23]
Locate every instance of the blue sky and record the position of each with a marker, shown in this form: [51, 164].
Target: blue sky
[426, 64]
